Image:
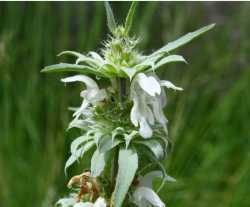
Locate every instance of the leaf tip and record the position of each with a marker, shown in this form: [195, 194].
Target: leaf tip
[44, 70]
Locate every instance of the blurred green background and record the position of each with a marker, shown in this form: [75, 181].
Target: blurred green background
[208, 122]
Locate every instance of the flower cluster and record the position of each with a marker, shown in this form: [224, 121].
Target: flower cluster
[122, 121]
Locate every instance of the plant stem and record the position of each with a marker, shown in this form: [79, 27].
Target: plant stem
[122, 97]
[122, 91]
[114, 169]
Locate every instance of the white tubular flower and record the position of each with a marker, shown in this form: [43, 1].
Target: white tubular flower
[149, 100]
[149, 84]
[91, 95]
[144, 196]
[100, 202]
[67, 202]
[168, 84]
[141, 114]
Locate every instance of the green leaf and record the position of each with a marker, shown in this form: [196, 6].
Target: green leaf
[106, 144]
[98, 162]
[65, 67]
[130, 72]
[128, 137]
[166, 177]
[110, 17]
[128, 164]
[80, 58]
[148, 61]
[119, 131]
[168, 59]
[130, 16]
[109, 69]
[154, 146]
[79, 153]
[183, 40]
[72, 53]
[77, 142]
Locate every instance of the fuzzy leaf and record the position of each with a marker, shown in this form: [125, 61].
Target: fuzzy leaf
[128, 164]
[165, 177]
[79, 153]
[98, 161]
[110, 17]
[148, 61]
[128, 137]
[130, 16]
[130, 72]
[72, 53]
[106, 144]
[168, 59]
[77, 142]
[65, 67]
[183, 40]
[154, 146]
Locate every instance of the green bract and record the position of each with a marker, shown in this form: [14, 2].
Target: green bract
[121, 123]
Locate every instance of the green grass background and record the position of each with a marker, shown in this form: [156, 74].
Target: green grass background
[208, 122]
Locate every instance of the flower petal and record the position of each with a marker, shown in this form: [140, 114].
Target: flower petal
[66, 202]
[144, 193]
[97, 57]
[145, 130]
[134, 114]
[100, 202]
[85, 204]
[168, 84]
[149, 84]
[90, 83]
[158, 112]
[147, 180]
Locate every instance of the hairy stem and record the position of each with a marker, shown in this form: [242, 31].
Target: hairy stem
[122, 97]
[122, 91]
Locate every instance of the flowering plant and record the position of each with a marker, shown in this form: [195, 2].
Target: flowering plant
[122, 121]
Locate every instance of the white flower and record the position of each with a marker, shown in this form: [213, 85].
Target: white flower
[91, 96]
[149, 100]
[144, 196]
[67, 202]
[100, 202]
[149, 84]
[141, 114]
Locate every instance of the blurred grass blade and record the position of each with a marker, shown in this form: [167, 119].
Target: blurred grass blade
[110, 17]
[130, 17]
[183, 40]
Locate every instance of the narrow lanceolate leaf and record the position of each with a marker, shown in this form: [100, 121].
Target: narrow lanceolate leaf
[130, 16]
[183, 40]
[106, 144]
[130, 72]
[77, 142]
[78, 154]
[154, 146]
[98, 161]
[65, 67]
[110, 17]
[168, 59]
[165, 177]
[81, 58]
[72, 53]
[128, 164]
